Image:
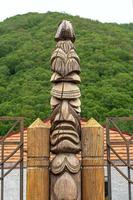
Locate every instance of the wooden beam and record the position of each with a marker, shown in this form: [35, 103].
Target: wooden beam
[38, 161]
[92, 161]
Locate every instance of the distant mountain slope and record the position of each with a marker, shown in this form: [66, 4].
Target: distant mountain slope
[106, 53]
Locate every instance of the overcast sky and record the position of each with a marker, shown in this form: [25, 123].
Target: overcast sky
[120, 11]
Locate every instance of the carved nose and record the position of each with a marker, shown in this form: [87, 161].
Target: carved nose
[64, 110]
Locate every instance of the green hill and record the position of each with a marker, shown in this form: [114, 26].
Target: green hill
[106, 53]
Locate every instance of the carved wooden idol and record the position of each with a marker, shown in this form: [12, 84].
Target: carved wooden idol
[65, 118]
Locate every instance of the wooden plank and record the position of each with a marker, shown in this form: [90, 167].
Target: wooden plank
[92, 161]
[38, 161]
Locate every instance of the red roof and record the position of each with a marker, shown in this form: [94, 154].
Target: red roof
[114, 137]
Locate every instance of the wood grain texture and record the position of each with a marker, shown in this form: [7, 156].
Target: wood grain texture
[69, 188]
[65, 92]
[65, 31]
[37, 184]
[65, 121]
[65, 162]
[38, 161]
[92, 161]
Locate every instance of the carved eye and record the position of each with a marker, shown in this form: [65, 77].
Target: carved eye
[54, 102]
[75, 102]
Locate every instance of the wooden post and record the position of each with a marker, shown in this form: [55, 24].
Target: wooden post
[65, 120]
[92, 161]
[38, 161]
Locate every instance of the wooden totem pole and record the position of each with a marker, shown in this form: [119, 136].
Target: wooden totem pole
[62, 179]
[65, 119]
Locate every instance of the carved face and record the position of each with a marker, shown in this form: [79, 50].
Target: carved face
[65, 120]
[65, 128]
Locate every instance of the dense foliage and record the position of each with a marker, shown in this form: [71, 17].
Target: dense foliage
[106, 53]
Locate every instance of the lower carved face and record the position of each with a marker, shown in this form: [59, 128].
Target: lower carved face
[60, 191]
[65, 130]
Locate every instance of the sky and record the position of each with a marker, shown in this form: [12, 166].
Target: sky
[120, 11]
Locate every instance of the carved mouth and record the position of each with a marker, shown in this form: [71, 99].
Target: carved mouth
[65, 162]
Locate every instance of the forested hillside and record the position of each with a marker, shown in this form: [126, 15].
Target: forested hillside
[106, 53]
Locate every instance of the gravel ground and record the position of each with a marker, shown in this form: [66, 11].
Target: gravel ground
[119, 185]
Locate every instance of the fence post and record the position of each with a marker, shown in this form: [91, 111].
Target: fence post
[92, 161]
[38, 161]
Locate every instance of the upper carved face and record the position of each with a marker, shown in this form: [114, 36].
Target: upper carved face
[65, 120]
